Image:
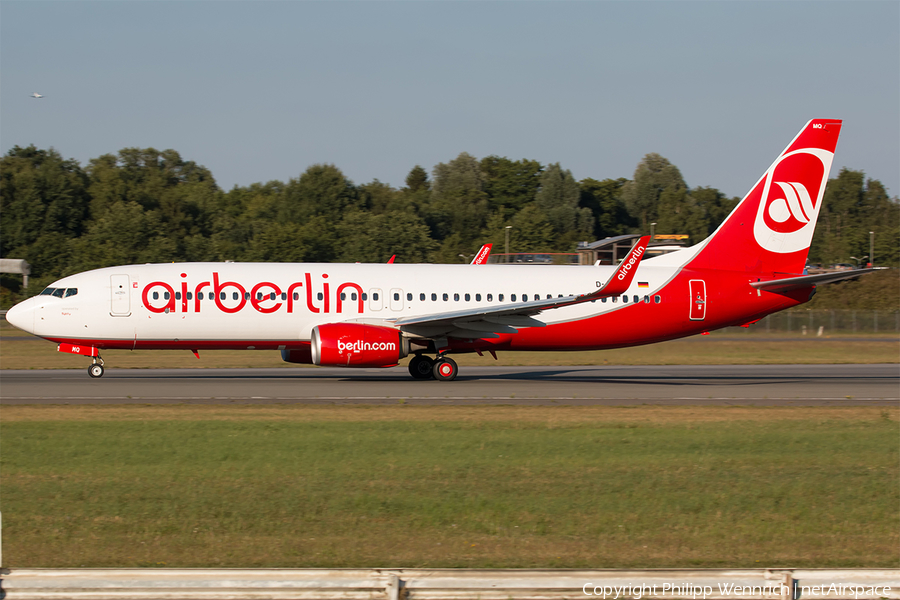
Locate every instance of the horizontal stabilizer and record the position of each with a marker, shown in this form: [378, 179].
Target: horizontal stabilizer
[779, 286]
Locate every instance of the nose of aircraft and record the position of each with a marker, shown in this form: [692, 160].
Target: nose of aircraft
[22, 315]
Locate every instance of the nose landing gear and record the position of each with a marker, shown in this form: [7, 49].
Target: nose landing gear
[96, 369]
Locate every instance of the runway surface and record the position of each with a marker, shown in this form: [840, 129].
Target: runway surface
[607, 385]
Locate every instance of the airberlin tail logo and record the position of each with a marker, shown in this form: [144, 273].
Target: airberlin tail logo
[791, 198]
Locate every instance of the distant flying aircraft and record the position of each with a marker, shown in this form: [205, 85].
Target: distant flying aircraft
[36, 95]
[373, 315]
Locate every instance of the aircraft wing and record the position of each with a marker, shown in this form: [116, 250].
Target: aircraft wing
[482, 257]
[787, 284]
[488, 322]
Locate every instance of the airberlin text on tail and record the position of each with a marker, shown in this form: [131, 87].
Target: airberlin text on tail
[771, 229]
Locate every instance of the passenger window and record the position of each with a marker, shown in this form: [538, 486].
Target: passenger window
[189, 296]
[320, 296]
[259, 295]
[365, 297]
[396, 296]
[625, 299]
[456, 297]
[156, 295]
[353, 296]
[284, 295]
[477, 297]
[296, 296]
[657, 299]
[603, 300]
[178, 295]
[71, 292]
[422, 297]
[434, 297]
[343, 296]
[246, 296]
[374, 296]
[636, 298]
[551, 295]
[272, 296]
[499, 297]
[490, 297]
[47, 292]
[408, 297]
[166, 295]
[524, 297]
[512, 297]
[199, 295]
[468, 297]
[615, 299]
[235, 296]
[221, 295]
[646, 299]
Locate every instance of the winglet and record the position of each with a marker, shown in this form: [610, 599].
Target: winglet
[482, 257]
[621, 279]
[391, 259]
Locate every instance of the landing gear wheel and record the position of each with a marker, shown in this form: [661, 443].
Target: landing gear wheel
[95, 370]
[445, 369]
[420, 367]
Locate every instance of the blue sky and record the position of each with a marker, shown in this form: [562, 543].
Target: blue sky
[259, 90]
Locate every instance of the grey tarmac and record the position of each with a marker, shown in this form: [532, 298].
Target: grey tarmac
[761, 385]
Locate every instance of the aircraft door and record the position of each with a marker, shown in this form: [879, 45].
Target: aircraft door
[120, 295]
[396, 299]
[376, 302]
[698, 299]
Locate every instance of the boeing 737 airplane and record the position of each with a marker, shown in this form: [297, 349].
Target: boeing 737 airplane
[374, 315]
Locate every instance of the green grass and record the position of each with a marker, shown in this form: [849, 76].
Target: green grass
[450, 487]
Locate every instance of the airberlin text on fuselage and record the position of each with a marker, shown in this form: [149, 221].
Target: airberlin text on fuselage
[265, 297]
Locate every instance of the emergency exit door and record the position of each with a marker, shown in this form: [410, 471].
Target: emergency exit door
[698, 299]
[120, 295]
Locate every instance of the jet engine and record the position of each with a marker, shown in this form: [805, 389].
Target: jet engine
[357, 345]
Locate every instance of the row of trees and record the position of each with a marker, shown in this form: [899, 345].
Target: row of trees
[143, 205]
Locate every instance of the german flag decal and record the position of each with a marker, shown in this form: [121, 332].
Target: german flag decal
[643, 284]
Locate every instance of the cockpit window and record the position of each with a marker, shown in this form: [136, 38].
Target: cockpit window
[71, 292]
[47, 292]
[58, 292]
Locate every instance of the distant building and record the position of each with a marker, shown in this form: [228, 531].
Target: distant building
[16, 265]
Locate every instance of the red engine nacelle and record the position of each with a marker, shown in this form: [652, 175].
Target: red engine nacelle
[357, 345]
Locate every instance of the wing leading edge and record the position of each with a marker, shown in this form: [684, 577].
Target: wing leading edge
[489, 322]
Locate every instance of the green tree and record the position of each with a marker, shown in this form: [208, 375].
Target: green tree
[125, 234]
[714, 206]
[558, 200]
[653, 175]
[852, 207]
[458, 201]
[417, 179]
[322, 190]
[604, 199]
[510, 185]
[368, 237]
[43, 204]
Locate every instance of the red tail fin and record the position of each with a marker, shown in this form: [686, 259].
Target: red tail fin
[771, 229]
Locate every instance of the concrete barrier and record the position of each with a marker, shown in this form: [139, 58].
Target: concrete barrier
[448, 584]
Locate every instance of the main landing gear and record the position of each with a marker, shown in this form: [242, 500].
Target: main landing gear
[443, 368]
